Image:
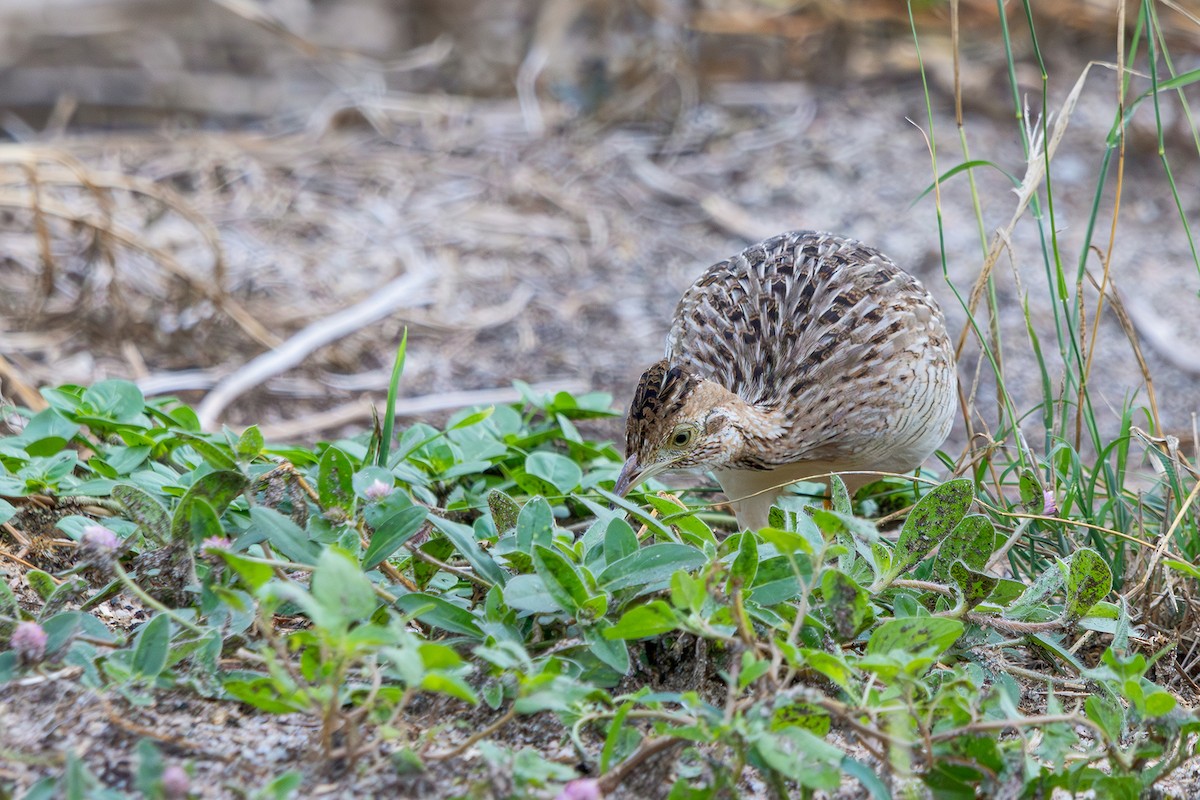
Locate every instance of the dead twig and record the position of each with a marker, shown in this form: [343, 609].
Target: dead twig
[403, 291]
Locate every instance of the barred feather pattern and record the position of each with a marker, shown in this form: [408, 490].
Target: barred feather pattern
[842, 348]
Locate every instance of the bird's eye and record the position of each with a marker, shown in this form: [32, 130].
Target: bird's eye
[682, 437]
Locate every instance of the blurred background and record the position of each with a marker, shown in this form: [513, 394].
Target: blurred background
[528, 186]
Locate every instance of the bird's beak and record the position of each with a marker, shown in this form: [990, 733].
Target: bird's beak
[631, 475]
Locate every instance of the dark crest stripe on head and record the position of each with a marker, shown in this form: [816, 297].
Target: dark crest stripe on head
[660, 394]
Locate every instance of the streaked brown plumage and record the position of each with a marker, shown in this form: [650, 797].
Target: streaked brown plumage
[805, 354]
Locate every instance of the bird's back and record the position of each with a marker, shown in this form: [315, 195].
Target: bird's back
[831, 333]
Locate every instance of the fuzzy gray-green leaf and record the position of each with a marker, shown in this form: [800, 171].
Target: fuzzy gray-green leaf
[931, 521]
[915, 635]
[973, 540]
[504, 511]
[1089, 579]
[145, 510]
[845, 605]
[975, 586]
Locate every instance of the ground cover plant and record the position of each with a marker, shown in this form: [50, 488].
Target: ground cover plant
[483, 561]
[1012, 629]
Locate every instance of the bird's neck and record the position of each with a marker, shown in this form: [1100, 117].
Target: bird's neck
[758, 426]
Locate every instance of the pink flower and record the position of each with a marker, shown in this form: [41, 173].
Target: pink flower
[98, 546]
[176, 783]
[99, 539]
[29, 642]
[377, 490]
[582, 789]
[216, 543]
[1049, 507]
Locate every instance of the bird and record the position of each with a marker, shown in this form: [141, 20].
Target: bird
[804, 355]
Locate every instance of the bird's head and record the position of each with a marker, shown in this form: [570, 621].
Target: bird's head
[678, 421]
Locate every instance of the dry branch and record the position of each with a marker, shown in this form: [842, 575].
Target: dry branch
[404, 291]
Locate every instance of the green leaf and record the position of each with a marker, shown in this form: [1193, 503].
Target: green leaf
[115, 400]
[449, 685]
[433, 610]
[41, 582]
[344, 592]
[868, 778]
[46, 433]
[392, 533]
[786, 542]
[265, 694]
[1179, 81]
[611, 650]
[745, 563]
[529, 593]
[219, 488]
[915, 636]
[217, 454]
[153, 644]
[505, 511]
[474, 418]
[1182, 566]
[779, 579]
[846, 606]
[561, 579]
[792, 713]
[250, 444]
[7, 511]
[1089, 580]
[335, 480]
[650, 566]
[389, 416]
[1107, 715]
[693, 529]
[141, 507]
[123, 460]
[840, 496]
[150, 768]
[282, 788]
[283, 535]
[832, 666]
[1159, 702]
[254, 573]
[1032, 600]
[799, 755]
[973, 540]
[70, 590]
[619, 540]
[641, 622]
[1031, 490]
[964, 167]
[975, 586]
[559, 471]
[835, 522]
[620, 739]
[194, 521]
[463, 539]
[535, 525]
[932, 519]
